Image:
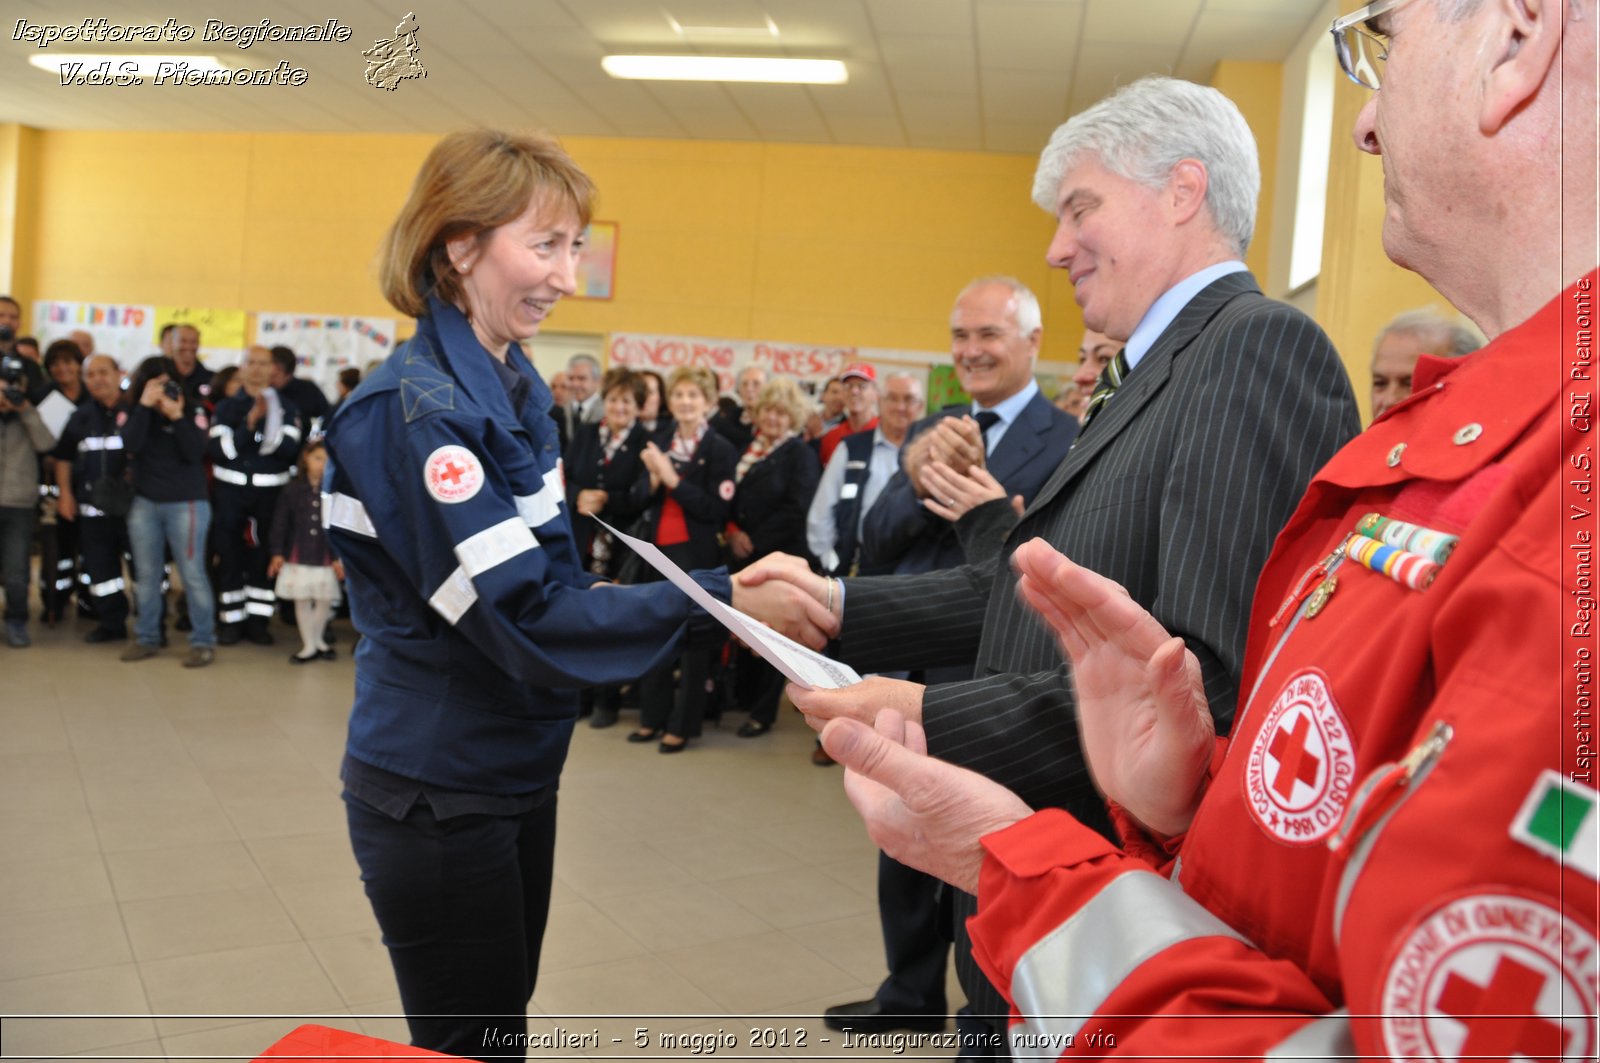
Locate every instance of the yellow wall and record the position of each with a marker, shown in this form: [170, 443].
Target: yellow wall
[808, 244]
[1256, 89]
[19, 194]
[822, 245]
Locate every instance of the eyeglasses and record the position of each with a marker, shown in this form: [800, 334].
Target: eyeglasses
[1361, 51]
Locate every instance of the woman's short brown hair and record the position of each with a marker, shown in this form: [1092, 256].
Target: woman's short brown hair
[699, 376]
[783, 393]
[471, 183]
[626, 379]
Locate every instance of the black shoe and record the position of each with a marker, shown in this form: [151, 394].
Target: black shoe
[867, 1016]
[669, 747]
[604, 716]
[104, 634]
[326, 654]
[295, 658]
[644, 734]
[753, 729]
[260, 636]
[226, 636]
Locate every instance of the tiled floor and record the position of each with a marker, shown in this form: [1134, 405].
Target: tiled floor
[172, 844]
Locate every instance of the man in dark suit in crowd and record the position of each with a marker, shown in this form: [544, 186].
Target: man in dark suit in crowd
[1201, 437]
[1013, 431]
[306, 396]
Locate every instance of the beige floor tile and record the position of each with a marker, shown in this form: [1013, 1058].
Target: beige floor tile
[359, 967]
[598, 866]
[787, 899]
[822, 839]
[146, 873]
[675, 917]
[40, 783]
[164, 927]
[853, 944]
[315, 812]
[226, 988]
[295, 858]
[46, 835]
[161, 825]
[87, 998]
[33, 732]
[859, 872]
[648, 985]
[578, 934]
[328, 908]
[66, 939]
[752, 975]
[716, 854]
[67, 882]
[113, 725]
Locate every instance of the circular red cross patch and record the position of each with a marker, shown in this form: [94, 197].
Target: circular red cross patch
[453, 474]
[1302, 763]
[1492, 976]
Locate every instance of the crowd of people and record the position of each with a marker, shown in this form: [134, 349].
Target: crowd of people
[171, 470]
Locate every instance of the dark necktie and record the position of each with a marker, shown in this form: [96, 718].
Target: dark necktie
[986, 419]
[1107, 385]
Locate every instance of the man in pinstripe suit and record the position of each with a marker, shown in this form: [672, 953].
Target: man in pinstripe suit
[1227, 403]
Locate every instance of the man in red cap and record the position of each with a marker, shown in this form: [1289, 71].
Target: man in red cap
[860, 407]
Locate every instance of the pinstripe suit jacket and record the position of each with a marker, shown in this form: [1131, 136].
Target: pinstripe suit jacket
[1176, 491]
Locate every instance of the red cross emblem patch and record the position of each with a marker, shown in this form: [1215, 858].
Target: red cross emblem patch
[453, 474]
[1493, 977]
[1301, 764]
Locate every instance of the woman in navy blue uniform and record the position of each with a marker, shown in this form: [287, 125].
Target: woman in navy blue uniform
[444, 501]
[691, 475]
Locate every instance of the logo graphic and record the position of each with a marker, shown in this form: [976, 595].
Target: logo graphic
[1492, 976]
[390, 62]
[1301, 764]
[453, 474]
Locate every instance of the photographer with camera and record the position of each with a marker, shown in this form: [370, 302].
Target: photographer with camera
[180, 345]
[165, 436]
[23, 437]
[92, 474]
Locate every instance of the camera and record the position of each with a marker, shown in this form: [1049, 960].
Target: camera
[7, 335]
[13, 374]
[172, 389]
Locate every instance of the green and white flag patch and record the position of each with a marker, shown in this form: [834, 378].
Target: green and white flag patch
[1561, 819]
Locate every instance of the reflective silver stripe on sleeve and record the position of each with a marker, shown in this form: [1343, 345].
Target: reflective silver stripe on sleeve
[454, 597]
[1327, 1038]
[1070, 971]
[344, 511]
[477, 555]
[224, 435]
[483, 551]
[541, 508]
[110, 586]
[100, 443]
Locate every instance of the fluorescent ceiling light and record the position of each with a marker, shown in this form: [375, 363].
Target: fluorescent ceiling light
[144, 65]
[725, 68]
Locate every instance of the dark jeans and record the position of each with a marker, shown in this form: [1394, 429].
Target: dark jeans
[16, 539]
[462, 903]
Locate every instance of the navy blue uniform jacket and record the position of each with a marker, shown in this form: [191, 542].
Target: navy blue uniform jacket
[449, 513]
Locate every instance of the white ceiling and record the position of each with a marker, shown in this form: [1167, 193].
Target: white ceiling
[985, 75]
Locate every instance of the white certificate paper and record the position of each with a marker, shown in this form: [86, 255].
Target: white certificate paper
[800, 665]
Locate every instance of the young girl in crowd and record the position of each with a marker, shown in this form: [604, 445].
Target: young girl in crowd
[302, 561]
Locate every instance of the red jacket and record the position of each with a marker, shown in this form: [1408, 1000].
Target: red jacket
[1432, 736]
